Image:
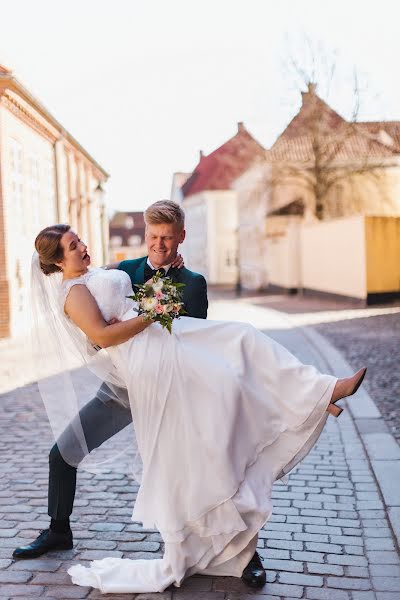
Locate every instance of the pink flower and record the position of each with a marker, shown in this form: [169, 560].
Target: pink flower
[159, 295]
[159, 309]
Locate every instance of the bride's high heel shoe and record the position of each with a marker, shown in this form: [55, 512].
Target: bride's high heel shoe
[343, 388]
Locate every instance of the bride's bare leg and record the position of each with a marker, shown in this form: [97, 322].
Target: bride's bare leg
[343, 388]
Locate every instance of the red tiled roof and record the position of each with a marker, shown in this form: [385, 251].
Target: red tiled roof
[218, 170]
[312, 105]
[355, 145]
[352, 140]
[390, 128]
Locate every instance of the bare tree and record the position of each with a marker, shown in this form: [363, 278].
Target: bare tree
[319, 148]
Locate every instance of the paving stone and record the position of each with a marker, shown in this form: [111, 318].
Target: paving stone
[300, 579]
[318, 547]
[325, 594]
[285, 544]
[139, 546]
[348, 583]
[343, 559]
[354, 550]
[283, 590]
[60, 578]
[98, 554]
[190, 595]
[344, 522]
[284, 565]
[347, 539]
[323, 529]
[67, 591]
[383, 557]
[356, 572]
[275, 554]
[357, 595]
[324, 569]
[14, 576]
[36, 564]
[306, 512]
[308, 556]
[386, 584]
[381, 532]
[5, 562]
[26, 591]
[311, 537]
[106, 527]
[379, 544]
[384, 570]
[289, 526]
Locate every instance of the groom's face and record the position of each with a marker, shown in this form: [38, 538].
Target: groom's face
[162, 242]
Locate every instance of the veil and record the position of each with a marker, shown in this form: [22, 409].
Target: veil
[70, 371]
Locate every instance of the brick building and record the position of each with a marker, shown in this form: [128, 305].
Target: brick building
[127, 230]
[210, 204]
[46, 177]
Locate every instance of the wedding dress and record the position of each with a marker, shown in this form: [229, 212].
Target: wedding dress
[220, 412]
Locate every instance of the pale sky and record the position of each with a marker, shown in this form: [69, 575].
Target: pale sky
[144, 85]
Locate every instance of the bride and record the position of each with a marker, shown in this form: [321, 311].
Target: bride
[208, 460]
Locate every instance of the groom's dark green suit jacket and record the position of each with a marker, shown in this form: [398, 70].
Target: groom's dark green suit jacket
[194, 293]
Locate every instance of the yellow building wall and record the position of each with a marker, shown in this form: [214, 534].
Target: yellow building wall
[382, 235]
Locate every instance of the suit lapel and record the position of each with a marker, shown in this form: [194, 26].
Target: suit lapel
[139, 274]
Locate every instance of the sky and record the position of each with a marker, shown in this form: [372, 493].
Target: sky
[144, 85]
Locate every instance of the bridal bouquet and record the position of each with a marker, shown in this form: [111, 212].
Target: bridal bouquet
[160, 300]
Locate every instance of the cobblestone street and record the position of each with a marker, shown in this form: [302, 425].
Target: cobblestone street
[336, 524]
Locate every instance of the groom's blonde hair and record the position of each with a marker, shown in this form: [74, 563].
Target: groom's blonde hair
[164, 211]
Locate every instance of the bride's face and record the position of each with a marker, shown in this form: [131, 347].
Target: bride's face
[76, 259]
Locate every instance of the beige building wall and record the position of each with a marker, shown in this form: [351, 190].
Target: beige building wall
[210, 247]
[253, 195]
[333, 256]
[28, 205]
[283, 260]
[45, 178]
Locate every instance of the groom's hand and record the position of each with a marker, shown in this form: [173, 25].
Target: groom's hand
[113, 321]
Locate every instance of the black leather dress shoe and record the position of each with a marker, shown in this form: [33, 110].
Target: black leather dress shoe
[47, 540]
[254, 574]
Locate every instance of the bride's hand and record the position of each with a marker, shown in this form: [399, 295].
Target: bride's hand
[178, 262]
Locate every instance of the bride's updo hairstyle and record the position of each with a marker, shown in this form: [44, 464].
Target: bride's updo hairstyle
[48, 246]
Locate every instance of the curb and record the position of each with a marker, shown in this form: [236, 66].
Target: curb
[380, 446]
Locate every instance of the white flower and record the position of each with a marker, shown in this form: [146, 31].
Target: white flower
[158, 286]
[149, 303]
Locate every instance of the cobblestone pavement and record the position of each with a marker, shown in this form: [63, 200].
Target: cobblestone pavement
[374, 342]
[328, 539]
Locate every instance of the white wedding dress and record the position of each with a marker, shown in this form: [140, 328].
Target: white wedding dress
[220, 412]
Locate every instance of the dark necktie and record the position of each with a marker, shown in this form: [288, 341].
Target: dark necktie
[149, 272]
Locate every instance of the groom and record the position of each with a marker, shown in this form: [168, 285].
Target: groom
[104, 416]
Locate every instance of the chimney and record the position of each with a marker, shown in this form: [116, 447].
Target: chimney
[241, 127]
[311, 91]
[312, 88]
[201, 153]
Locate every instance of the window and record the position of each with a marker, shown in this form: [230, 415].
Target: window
[115, 241]
[135, 240]
[16, 181]
[129, 222]
[34, 190]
